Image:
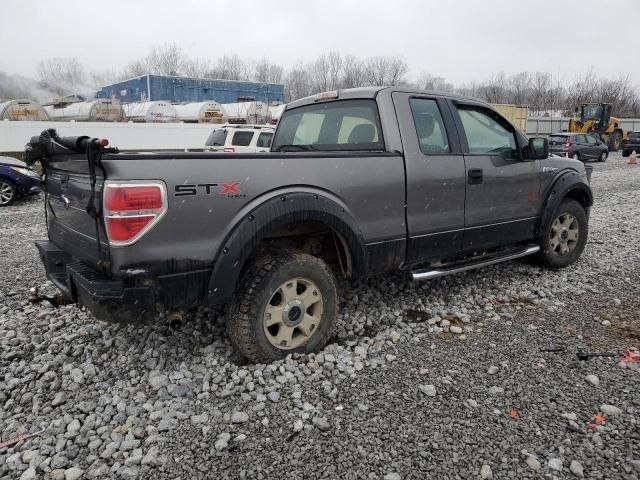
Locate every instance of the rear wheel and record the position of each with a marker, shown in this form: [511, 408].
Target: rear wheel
[286, 302]
[615, 140]
[8, 193]
[564, 237]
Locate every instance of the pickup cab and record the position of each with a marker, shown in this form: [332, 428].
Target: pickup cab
[357, 182]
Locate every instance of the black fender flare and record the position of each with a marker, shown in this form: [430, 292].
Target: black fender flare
[566, 183]
[276, 212]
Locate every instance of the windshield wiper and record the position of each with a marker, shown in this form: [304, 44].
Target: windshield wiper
[293, 148]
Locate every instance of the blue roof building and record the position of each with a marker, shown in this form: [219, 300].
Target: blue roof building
[187, 89]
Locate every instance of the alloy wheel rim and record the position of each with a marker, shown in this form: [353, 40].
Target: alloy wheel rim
[6, 193]
[293, 313]
[564, 234]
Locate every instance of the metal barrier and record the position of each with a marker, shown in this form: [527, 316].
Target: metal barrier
[125, 136]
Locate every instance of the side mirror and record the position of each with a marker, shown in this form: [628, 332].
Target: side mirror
[538, 149]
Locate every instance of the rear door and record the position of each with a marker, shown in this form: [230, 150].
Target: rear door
[435, 177]
[503, 190]
[581, 146]
[593, 146]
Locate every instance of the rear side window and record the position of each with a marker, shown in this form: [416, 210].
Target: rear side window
[337, 125]
[217, 138]
[264, 140]
[486, 132]
[557, 139]
[581, 139]
[591, 140]
[432, 136]
[241, 139]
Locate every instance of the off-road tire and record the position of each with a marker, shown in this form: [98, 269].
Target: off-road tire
[259, 280]
[547, 257]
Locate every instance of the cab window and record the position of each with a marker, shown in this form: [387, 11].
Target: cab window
[487, 133]
[338, 125]
[432, 136]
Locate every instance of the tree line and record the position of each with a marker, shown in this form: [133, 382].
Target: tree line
[543, 93]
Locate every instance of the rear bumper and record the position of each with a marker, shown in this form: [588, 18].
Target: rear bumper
[121, 299]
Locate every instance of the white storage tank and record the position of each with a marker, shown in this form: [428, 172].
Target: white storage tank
[158, 111]
[22, 109]
[248, 112]
[98, 110]
[276, 112]
[201, 112]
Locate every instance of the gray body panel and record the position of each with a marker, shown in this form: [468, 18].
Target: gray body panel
[404, 207]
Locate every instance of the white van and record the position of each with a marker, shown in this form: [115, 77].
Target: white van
[240, 139]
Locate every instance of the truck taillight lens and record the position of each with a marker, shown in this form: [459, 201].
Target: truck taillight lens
[131, 209]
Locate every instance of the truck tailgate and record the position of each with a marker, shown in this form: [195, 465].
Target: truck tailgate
[70, 227]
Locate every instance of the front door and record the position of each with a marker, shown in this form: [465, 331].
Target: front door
[503, 190]
[435, 177]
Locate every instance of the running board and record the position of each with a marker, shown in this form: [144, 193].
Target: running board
[428, 274]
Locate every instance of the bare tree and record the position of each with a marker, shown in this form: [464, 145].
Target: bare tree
[167, 59]
[62, 75]
[267, 72]
[427, 81]
[385, 70]
[298, 83]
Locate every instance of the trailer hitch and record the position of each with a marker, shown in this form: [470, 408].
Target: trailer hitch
[55, 301]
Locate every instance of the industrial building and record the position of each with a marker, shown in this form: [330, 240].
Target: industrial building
[187, 89]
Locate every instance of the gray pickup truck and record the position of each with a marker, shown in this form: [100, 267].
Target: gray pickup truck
[357, 182]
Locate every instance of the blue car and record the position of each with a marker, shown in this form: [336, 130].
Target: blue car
[16, 180]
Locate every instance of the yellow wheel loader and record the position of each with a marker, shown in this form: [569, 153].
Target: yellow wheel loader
[596, 119]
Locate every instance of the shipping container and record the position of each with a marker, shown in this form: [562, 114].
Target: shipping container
[518, 115]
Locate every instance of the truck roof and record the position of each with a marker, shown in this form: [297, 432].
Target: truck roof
[372, 92]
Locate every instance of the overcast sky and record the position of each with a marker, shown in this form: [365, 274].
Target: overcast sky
[461, 40]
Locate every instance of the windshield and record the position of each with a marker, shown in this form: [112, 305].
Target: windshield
[591, 112]
[216, 139]
[338, 125]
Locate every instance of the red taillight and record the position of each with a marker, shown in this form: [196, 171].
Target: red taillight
[123, 198]
[568, 143]
[123, 229]
[130, 209]
[229, 149]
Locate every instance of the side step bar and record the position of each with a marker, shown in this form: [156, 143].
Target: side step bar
[429, 273]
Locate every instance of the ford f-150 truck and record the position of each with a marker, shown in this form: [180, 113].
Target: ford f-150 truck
[357, 182]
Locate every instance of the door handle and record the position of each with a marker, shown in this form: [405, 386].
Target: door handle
[475, 176]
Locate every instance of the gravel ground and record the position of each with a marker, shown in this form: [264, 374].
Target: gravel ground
[444, 379]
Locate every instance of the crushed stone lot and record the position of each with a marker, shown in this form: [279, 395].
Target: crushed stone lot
[442, 379]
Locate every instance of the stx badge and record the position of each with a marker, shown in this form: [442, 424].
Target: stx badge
[231, 189]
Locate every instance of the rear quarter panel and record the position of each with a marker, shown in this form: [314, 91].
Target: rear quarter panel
[370, 188]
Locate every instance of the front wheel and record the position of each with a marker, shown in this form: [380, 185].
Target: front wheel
[286, 302]
[564, 237]
[603, 157]
[8, 193]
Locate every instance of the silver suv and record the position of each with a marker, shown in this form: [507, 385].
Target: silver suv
[240, 139]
